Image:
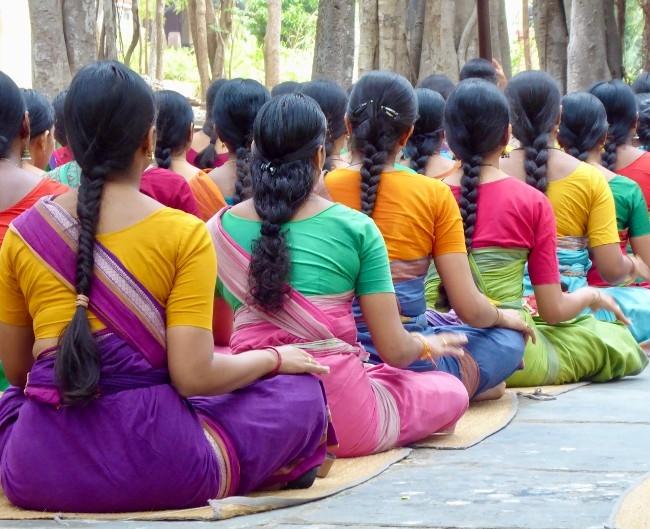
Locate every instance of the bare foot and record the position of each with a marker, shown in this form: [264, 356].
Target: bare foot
[491, 394]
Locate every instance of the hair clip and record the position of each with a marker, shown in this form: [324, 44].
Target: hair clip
[391, 113]
[268, 167]
[361, 108]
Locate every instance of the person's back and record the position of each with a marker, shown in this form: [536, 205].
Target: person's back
[109, 295]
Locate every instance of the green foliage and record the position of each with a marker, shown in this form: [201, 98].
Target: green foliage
[633, 44]
[179, 64]
[298, 22]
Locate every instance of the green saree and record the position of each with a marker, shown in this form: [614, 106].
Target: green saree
[580, 349]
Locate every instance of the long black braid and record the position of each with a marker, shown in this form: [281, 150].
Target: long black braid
[534, 112]
[381, 110]
[428, 132]
[108, 112]
[621, 107]
[289, 130]
[173, 124]
[237, 104]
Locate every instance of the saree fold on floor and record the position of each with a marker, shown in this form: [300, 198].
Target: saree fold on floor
[373, 408]
[138, 445]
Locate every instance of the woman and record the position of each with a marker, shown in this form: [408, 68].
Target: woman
[643, 124]
[20, 188]
[438, 83]
[619, 155]
[63, 154]
[583, 205]
[333, 101]
[509, 224]
[582, 133]
[423, 147]
[419, 219]
[289, 286]
[233, 114]
[41, 128]
[111, 352]
[205, 153]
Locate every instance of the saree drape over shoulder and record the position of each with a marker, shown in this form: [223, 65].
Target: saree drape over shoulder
[138, 445]
[373, 408]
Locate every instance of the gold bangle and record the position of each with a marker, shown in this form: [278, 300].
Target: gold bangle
[427, 350]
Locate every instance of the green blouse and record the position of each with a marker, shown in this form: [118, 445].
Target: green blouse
[338, 250]
[631, 208]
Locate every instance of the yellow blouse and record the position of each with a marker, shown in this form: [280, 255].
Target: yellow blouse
[584, 206]
[170, 252]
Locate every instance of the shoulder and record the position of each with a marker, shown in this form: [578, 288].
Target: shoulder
[158, 173]
[341, 175]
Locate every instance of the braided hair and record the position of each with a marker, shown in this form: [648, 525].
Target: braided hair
[534, 99]
[207, 158]
[108, 114]
[643, 124]
[234, 114]
[41, 112]
[381, 110]
[476, 124]
[288, 132]
[12, 114]
[583, 125]
[173, 125]
[333, 101]
[59, 122]
[438, 83]
[621, 106]
[428, 132]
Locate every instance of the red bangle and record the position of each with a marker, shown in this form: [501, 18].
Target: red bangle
[278, 362]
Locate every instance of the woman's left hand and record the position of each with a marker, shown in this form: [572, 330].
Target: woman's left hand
[512, 319]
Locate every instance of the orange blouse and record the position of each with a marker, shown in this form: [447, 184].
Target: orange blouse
[207, 194]
[417, 215]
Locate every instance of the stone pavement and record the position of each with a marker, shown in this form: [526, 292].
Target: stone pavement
[559, 465]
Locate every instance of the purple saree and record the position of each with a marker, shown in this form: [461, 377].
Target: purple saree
[139, 445]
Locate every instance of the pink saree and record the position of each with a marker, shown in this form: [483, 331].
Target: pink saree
[374, 408]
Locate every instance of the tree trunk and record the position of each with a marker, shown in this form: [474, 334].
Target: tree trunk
[438, 47]
[108, 42]
[587, 51]
[80, 33]
[223, 33]
[613, 40]
[645, 6]
[272, 44]
[468, 44]
[211, 29]
[552, 38]
[334, 47]
[525, 34]
[161, 41]
[500, 39]
[393, 47]
[368, 36]
[50, 67]
[414, 35]
[135, 13]
[201, 43]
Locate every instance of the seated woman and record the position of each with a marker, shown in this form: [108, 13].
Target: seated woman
[63, 154]
[585, 218]
[233, 115]
[333, 101]
[620, 155]
[509, 224]
[423, 147]
[207, 152]
[582, 133]
[290, 264]
[41, 128]
[110, 353]
[419, 219]
[19, 188]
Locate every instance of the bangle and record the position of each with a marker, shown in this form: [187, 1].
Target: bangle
[278, 361]
[427, 350]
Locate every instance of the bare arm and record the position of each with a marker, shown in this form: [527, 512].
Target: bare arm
[16, 344]
[555, 306]
[641, 247]
[395, 345]
[196, 370]
[615, 268]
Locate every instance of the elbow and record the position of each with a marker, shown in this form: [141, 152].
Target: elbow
[469, 315]
[550, 317]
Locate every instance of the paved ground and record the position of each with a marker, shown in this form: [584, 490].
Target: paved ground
[560, 464]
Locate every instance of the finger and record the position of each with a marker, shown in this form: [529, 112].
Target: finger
[452, 338]
[457, 352]
[620, 315]
[318, 369]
